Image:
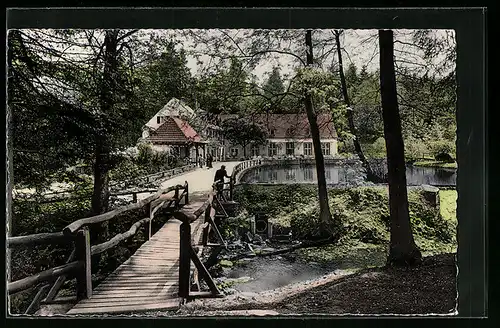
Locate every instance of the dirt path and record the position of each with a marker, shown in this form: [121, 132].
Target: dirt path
[200, 180]
[427, 289]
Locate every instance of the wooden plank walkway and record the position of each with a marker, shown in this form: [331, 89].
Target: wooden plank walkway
[148, 280]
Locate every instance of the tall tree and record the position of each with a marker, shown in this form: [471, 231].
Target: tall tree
[403, 250]
[164, 77]
[350, 114]
[325, 215]
[274, 87]
[240, 131]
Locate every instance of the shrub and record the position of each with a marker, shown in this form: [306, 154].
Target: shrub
[145, 153]
[363, 212]
[415, 148]
[345, 147]
[376, 149]
[440, 147]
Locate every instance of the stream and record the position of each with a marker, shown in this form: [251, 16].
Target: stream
[265, 273]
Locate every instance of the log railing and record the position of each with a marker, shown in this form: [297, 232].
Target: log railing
[191, 248]
[78, 264]
[239, 169]
[66, 194]
[153, 177]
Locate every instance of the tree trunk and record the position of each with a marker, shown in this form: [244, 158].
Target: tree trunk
[245, 150]
[403, 250]
[100, 197]
[350, 113]
[9, 164]
[326, 226]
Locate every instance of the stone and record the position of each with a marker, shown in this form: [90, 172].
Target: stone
[431, 194]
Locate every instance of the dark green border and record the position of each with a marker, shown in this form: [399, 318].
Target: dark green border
[470, 28]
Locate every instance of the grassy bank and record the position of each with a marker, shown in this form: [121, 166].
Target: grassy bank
[364, 216]
[434, 163]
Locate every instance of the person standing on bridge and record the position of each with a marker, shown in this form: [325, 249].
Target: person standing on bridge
[220, 174]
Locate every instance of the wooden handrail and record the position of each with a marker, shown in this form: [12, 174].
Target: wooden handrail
[96, 249]
[187, 252]
[162, 174]
[78, 232]
[73, 227]
[37, 239]
[47, 275]
[184, 216]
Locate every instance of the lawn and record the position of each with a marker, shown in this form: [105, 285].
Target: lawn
[448, 204]
[434, 163]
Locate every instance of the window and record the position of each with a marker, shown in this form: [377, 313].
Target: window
[325, 148]
[308, 148]
[158, 119]
[290, 174]
[328, 175]
[255, 151]
[272, 149]
[290, 148]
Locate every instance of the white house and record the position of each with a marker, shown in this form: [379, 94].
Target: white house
[169, 130]
[288, 134]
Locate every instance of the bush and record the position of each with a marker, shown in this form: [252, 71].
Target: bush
[376, 149]
[444, 157]
[415, 148]
[345, 147]
[363, 212]
[440, 147]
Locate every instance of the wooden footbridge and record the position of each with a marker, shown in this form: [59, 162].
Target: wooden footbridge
[163, 273]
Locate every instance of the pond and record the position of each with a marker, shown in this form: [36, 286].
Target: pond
[344, 175]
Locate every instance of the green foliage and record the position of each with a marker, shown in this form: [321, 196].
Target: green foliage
[440, 147]
[225, 90]
[434, 163]
[448, 204]
[363, 213]
[164, 77]
[146, 162]
[274, 84]
[347, 255]
[376, 149]
[240, 131]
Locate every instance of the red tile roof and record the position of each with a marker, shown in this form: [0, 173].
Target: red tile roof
[292, 125]
[174, 130]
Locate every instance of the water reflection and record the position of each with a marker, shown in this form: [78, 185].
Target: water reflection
[343, 175]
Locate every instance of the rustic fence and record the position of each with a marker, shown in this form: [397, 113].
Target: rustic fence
[78, 263]
[192, 244]
[118, 185]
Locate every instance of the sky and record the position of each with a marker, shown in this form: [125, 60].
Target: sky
[361, 48]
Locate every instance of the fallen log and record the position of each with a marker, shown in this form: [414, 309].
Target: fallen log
[305, 244]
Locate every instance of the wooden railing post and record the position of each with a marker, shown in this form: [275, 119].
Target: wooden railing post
[84, 275]
[184, 259]
[231, 183]
[206, 229]
[176, 197]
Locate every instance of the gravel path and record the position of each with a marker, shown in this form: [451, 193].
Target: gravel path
[200, 180]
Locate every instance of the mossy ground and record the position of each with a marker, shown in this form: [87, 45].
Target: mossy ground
[434, 163]
[364, 216]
